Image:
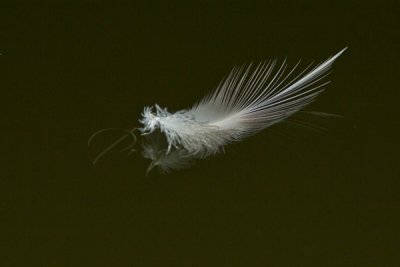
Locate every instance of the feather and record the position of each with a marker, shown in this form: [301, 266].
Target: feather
[247, 101]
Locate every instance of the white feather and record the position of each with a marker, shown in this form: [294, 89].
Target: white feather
[246, 102]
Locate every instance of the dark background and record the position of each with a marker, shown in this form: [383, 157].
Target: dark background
[68, 70]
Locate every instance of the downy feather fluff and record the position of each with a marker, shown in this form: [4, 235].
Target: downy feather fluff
[248, 100]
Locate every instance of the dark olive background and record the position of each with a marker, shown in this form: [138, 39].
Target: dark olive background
[68, 70]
